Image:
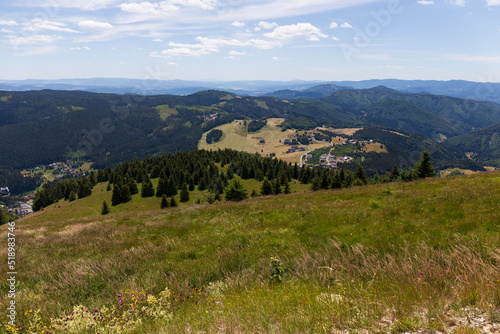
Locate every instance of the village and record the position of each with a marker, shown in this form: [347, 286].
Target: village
[328, 159]
[22, 205]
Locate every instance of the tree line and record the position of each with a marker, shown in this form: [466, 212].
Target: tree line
[213, 172]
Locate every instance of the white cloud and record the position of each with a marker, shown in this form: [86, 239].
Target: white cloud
[459, 3]
[148, 7]
[8, 23]
[202, 4]
[335, 38]
[490, 3]
[39, 24]
[333, 25]
[265, 25]
[207, 46]
[34, 39]
[273, 9]
[7, 31]
[346, 25]
[237, 53]
[80, 48]
[173, 64]
[164, 7]
[52, 5]
[425, 2]
[94, 24]
[294, 30]
[158, 40]
[238, 24]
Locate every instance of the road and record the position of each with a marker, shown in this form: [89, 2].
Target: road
[303, 155]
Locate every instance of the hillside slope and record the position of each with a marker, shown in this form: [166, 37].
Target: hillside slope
[410, 257]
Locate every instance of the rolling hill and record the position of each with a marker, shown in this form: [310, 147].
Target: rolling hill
[418, 256]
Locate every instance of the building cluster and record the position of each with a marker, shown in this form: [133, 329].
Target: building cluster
[296, 149]
[21, 209]
[210, 117]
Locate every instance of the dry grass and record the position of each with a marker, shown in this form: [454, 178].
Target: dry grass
[420, 256]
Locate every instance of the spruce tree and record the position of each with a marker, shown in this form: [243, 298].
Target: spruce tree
[361, 175]
[287, 189]
[316, 184]
[116, 197]
[171, 189]
[125, 194]
[72, 196]
[266, 188]
[173, 203]
[184, 193]
[108, 187]
[275, 184]
[235, 191]
[147, 189]
[132, 185]
[105, 209]
[394, 174]
[162, 187]
[164, 202]
[424, 167]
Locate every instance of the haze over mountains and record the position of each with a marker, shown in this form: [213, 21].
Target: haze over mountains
[481, 91]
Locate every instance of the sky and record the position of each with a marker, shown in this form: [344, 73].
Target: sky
[218, 40]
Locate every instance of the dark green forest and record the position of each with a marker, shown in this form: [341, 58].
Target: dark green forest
[40, 127]
[212, 171]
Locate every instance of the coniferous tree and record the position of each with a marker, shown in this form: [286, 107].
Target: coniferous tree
[202, 185]
[171, 189]
[164, 202]
[287, 189]
[108, 187]
[132, 186]
[336, 184]
[163, 185]
[191, 184]
[173, 203]
[424, 167]
[266, 188]
[235, 191]
[324, 180]
[394, 174]
[105, 209]
[147, 189]
[84, 188]
[316, 184]
[125, 194]
[361, 175]
[275, 184]
[184, 193]
[116, 197]
[72, 196]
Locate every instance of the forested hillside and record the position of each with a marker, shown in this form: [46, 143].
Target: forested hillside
[40, 127]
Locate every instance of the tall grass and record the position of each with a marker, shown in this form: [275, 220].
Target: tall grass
[388, 258]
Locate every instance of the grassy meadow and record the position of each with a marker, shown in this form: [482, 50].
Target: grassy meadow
[394, 258]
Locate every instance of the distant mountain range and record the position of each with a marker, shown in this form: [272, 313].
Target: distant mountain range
[44, 126]
[282, 89]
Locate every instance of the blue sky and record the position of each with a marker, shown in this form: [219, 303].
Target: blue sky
[251, 39]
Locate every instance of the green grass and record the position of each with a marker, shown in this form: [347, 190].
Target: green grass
[413, 253]
[165, 111]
